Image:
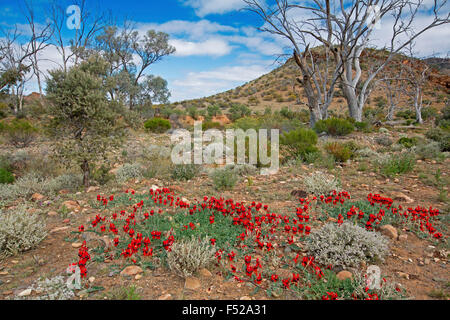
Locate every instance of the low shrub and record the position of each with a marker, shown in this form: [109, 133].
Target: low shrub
[321, 184]
[206, 125]
[430, 150]
[224, 179]
[20, 133]
[157, 125]
[397, 164]
[339, 151]
[20, 231]
[185, 171]
[6, 176]
[407, 142]
[334, 126]
[300, 141]
[129, 171]
[188, 256]
[346, 245]
[384, 141]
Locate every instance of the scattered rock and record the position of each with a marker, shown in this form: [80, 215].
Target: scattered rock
[92, 189]
[403, 275]
[52, 213]
[205, 273]
[427, 261]
[76, 245]
[131, 271]
[64, 191]
[245, 298]
[37, 197]
[25, 293]
[389, 231]
[403, 237]
[299, 193]
[72, 205]
[167, 296]
[7, 293]
[192, 283]
[399, 196]
[138, 277]
[343, 275]
[91, 279]
[59, 229]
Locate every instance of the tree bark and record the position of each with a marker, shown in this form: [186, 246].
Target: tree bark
[86, 173]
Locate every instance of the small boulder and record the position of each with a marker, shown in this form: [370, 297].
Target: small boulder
[167, 296]
[205, 273]
[192, 283]
[131, 271]
[343, 275]
[389, 231]
[37, 197]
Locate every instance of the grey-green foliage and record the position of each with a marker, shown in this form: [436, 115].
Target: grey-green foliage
[20, 231]
[129, 171]
[224, 178]
[31, 183]
[346, 245]
[243, 169]
[83, 119]
[189, 255]
[321, 184]
[185, 171]
[52, 289]
[428, 150]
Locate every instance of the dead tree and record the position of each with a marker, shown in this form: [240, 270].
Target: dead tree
[320, 68]
[355, 27]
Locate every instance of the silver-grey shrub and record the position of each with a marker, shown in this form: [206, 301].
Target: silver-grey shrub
[20, 231]
[320, 183]
[346, 245]
[129, 171]
[188, 256]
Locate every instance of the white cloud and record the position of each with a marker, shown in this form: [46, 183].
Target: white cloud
[192, 29]
[205, 7]
[211, 47]
[206, 83]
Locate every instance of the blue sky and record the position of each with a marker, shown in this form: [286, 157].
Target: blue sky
[218, 45]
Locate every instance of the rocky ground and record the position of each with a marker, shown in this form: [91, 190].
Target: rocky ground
[418, 265]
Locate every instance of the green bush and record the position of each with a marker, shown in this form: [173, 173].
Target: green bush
[339, 151]
[428, 150]
[407, 142]
[300, 141]
[6, 176]
[406, 114]
[238, 111]
[362, 126]
[398, 164]
[157, 125]
[436, 134]
[20, 133]
[428, 113]
[246, 123]
[206, 125]
[334, 126]
[224, 179]
[185, 171]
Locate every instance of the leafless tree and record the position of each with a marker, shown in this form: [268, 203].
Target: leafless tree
[320, 68]
[40, 36]
[73, 50]
[346, 29]
[355, 25]
[416, 75]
